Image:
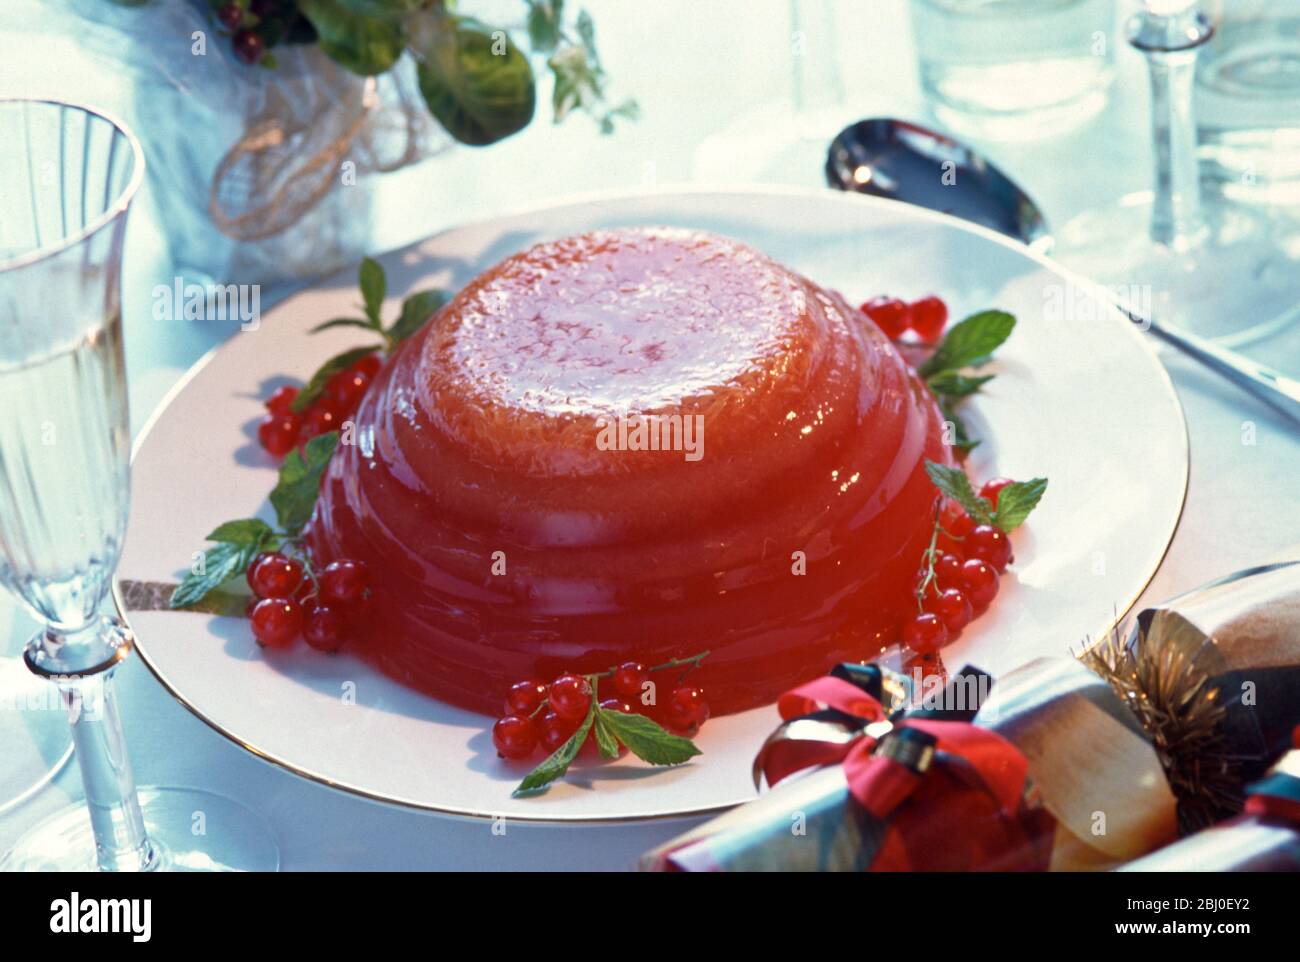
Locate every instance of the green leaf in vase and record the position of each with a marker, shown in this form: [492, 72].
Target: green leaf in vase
[476, 82]
[364, 37]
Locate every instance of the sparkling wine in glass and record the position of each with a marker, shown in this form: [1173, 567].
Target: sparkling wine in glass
[69, 175]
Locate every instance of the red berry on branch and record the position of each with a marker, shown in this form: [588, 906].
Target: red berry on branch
[947, 571]
[980, 582]
[990, 489]
[514, 737]
[891, 315]
[929, 315]
[229, 16]
[368, 365]
[953, 608]
[925, 633]
[347, 388]
[989, 544]
[344, 582]
[616, 704]
[555, 731]
[323, 417]
[629, 678]
[687, 707]
[281, 399]
[248, 46]
[324, 628]
[276, 622]
[278, 433]
[525, 697]
[570, 697]
[273, 575]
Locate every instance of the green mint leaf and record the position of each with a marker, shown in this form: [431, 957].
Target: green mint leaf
[557, 763]
[416, 309]
[295, 494]
[970, 342]
[247, 531]
[475, 81]
[952, 384]
[221, 562]
[1016, 500]
[605, 739]
[953, 483]
[343, 322]
[315, 387]
[545, 26]
[374, 288]
[365, 41]
[648, 741]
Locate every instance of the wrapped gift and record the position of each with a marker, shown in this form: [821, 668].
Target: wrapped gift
[1067, 764]
[1265, 837]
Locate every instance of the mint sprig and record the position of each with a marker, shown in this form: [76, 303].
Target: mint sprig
[969, 343]
[416, 309]
[1015, 501]
[239, 542]
[558, 762]
[647, 739]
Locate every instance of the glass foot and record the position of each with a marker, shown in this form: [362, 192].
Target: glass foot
[1238, 282]
[191, 830]
[33, 731]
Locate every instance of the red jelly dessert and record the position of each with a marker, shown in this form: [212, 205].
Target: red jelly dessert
[635, 445]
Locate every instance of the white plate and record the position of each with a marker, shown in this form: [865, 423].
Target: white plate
[1079, 398]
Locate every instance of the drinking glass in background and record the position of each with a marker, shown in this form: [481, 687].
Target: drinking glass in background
[69, 175]
[1014, 69]
[1248, 99]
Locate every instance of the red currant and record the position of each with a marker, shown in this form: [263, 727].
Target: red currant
[925, 633]
[230, 15]
[281, 399]
[525, 697]
[891, 315]
[687, 707]
[324, 628]
[953, 608]
[929, 315]
[947, 571]
[368, 365]
[555, 731]
[278, 433]
[980, 582]
[989, 544]
[630, 678]
[276, 622]
[991, 487]
[514, 737]
[323, 417]
[616, 704]
[272, 575]
[248, 46]
[344, 582]
[346, 389]
[570, 697]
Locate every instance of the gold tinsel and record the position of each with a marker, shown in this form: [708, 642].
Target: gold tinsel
[1181, 713]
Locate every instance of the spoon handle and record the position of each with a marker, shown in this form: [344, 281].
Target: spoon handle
[1270, 386]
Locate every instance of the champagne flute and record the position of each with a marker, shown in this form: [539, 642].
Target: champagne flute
[1186, 257]
[68, 175]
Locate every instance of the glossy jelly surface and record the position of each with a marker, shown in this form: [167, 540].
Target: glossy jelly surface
[635, 444]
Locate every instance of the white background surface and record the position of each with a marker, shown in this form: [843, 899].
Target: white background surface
[694, 68]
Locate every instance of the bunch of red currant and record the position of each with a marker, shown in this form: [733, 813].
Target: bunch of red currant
[283, 429]
[291, 600]
[258, 25]
[538, 714]
[968, 561]
[925, 317]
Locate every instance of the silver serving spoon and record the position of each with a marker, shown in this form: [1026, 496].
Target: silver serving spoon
[905, 161]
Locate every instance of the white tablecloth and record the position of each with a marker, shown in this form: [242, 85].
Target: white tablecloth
[695, 68]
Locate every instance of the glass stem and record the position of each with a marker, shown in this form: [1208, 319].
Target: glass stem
[1171, 44]
[81, 665]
